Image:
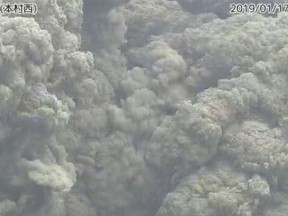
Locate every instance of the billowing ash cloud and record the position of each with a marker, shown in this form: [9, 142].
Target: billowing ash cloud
[142, 108]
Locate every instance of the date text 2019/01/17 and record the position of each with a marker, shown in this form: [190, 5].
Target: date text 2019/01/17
[261, 8]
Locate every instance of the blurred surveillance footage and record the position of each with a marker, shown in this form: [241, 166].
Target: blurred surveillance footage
[144, 107]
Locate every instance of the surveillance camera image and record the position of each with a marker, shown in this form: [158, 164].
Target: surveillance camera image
[143, 107]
